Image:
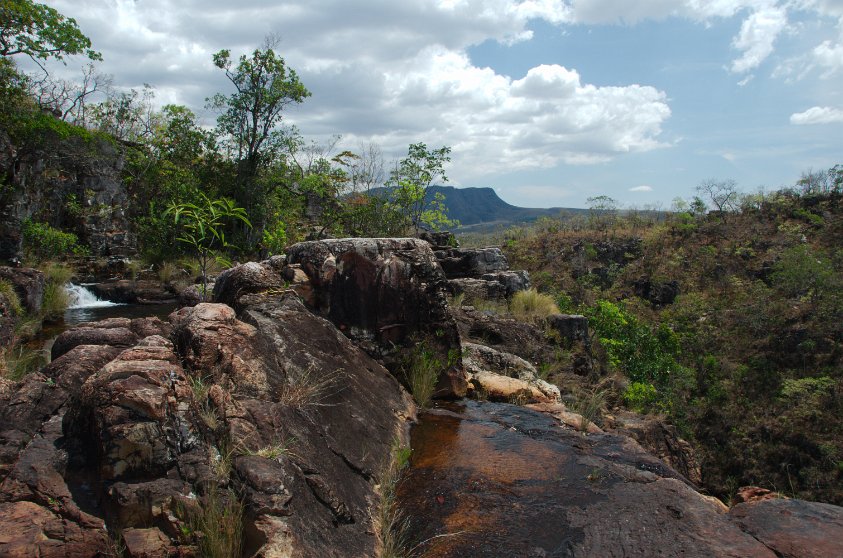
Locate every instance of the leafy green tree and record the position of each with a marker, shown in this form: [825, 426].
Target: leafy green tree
[251, 117]
[40, 32]
[410, 183]
[203, 228]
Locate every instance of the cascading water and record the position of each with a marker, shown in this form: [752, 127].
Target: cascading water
[80, 297]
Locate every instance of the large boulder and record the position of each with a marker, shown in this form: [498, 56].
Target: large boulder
[313, 417]
[388, 295]
[141, 291]
[471, 262]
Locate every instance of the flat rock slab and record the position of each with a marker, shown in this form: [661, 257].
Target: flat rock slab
[793, 528]
[489, 479]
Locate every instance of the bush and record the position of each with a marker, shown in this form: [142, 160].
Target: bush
[532, 306]
[641, 397]
[421, 371]
[42, 242]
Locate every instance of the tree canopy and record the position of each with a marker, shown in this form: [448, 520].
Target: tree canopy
[40, 32]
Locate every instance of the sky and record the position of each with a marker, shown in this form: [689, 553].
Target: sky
[549, 102]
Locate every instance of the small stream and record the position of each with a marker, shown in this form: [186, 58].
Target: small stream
[86, 307]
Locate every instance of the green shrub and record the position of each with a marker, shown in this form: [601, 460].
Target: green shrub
[421, 372]
[532, 306]
[42, 242]
[641, 397]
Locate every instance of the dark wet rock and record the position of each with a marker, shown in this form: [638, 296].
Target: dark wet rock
[656, 293]
[793, 528]
[28, 284]
[439, 240]
[388, 295]
[599, 495]
[134, 292]
[570, 327]
[471, 262]
[663, 441]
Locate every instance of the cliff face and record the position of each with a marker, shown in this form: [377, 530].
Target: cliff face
[71, 183]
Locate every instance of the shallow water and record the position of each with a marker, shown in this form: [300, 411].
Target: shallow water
[488, 479]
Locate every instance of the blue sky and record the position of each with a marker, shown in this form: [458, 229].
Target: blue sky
[548, 101]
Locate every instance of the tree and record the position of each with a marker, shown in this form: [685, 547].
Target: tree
[203, 228]
[602, 211]
[40, 32]
[251, 116]
[723, 194]
[410, 183]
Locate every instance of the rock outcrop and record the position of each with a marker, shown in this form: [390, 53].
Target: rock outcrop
[71, 182]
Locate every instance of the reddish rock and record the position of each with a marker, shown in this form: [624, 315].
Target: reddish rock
[793, 528]
[28, 529]
[755, 494]
[147, 543]
[111, 336]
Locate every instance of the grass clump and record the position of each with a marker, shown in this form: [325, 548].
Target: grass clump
[56, 299]
[391, 525]
[306, 387]
[7, 291]
[220, 521]
[421, 371]
[532, 306]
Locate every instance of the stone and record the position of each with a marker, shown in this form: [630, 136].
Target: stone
[28, 529]
[570, 327]
[146, 543]
[663, 441]
[439, 240]
[477, 289]
[28, 284]
[248, 278]
[656, 293]
[87, 335]
[502, 376]
[471, 262]
[793, 528]
[129, 291]
[512, 281]
[388, 295]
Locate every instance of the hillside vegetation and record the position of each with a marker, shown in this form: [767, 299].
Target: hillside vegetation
[726, 321]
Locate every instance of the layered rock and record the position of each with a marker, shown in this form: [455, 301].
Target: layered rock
[501, 376]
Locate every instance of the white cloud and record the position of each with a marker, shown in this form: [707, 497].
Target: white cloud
[817, 115]
[756, 37]
[642, 188]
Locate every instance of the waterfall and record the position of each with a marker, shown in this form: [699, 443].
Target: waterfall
[80, 297]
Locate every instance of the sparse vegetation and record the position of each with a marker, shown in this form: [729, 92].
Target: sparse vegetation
[421, 371]
[219, 519]
[724, 321]
[309, 386]
[391, 525]
[56, 300]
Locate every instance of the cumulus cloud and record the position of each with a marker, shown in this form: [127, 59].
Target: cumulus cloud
[393, 73]
[756, 37]
[817, 115]
[642, 188]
